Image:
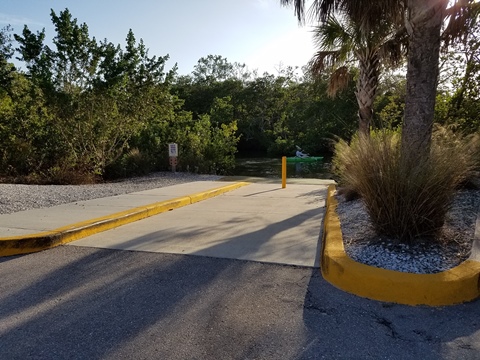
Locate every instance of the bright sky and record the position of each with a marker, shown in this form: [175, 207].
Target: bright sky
[259, 33]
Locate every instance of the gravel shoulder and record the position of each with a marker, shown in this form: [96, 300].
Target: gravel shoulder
[20, 197]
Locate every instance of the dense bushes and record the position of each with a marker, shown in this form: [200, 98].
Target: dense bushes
[406, 200]
[86, 110]
[273, 112]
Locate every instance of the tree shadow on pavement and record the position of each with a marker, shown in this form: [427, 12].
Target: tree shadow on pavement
[73, 302]
[114, 304]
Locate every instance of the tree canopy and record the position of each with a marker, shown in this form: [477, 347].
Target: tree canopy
[90, 109]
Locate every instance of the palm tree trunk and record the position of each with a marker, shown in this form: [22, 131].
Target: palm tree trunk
[367, 84]
[423, 25]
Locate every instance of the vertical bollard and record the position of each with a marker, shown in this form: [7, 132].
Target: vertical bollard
[284, 172]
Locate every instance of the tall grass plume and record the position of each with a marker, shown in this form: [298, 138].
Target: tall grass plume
[406, 200]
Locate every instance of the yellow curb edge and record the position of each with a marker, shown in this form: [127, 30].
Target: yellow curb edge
[25, 244]
[457, 285]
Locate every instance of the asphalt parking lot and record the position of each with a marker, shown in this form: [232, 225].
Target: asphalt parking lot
[84, 303]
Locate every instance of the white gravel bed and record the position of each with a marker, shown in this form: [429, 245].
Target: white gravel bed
[18, 197]
[423, 257]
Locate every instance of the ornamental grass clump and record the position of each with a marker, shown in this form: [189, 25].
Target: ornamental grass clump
[404, 200]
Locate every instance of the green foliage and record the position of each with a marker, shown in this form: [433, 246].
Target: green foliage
[222, 149]
[85, 106]
[274, 113]
[28, 141]
[202, 147]
[6, 53]
[391, 115]
[222, 111]
[87, 109]
[390, 103]
[281, 147]
[131, 163]
[98, 96]
[211, 69]
[405, 200]
[458, 102]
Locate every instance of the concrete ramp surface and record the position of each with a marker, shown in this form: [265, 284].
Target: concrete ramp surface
[258, 222]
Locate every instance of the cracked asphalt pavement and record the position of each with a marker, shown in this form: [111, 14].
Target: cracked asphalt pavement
[83, 303]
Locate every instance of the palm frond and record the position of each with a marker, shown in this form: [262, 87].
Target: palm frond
[394, 49]
[462, 16]
[333, 34]
[339, 81]
[299, 8]
[366, 13]
[321, 61]
[320, 10]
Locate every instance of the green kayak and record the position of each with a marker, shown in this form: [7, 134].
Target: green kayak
[294, 159]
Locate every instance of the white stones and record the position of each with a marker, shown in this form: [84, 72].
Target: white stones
[424, 256]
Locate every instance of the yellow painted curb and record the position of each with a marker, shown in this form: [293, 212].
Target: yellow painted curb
[454, 286]
[24, 244]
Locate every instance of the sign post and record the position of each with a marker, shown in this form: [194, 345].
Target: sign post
[173, 155]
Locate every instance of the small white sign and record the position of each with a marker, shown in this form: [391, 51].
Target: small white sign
[172, 149]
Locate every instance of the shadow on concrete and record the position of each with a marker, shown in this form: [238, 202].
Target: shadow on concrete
[263, 192]
[72, 302]
[240, 247]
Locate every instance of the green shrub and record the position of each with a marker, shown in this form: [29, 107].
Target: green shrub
[281, 147]
[64, 175]
[404, 200]
[133, 163]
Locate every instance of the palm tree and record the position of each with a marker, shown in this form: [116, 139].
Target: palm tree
[423, 20]
[342, 42]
